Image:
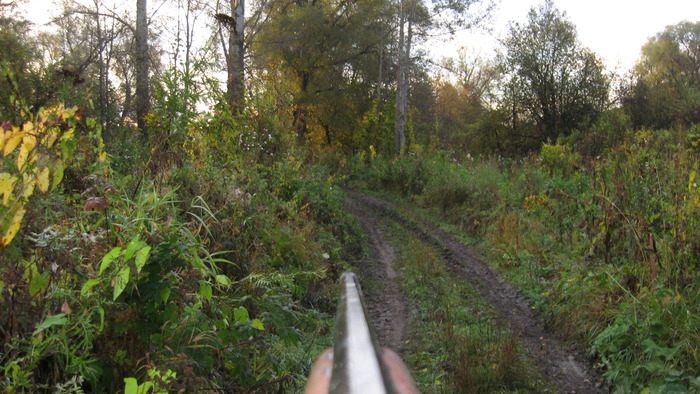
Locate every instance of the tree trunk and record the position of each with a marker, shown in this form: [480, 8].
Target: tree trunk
[235, 88]
[405, 38]
[401, 87]
[142, 59]
[299, 125]
[380, 80]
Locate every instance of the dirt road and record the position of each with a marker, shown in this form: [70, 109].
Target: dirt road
[561, 367]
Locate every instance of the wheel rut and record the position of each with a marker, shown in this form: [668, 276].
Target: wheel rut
[560, 366]
[385, 300]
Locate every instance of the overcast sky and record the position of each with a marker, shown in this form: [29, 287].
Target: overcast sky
[614, 29]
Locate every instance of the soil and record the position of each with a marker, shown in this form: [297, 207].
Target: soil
[385, 301]
[560, 366]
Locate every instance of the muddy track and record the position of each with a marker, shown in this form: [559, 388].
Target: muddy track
[560, 366]
[385, 301]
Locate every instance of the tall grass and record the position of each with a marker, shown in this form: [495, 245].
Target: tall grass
[455, 344]
[607, 246]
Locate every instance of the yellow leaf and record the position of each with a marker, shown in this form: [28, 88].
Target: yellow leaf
[68, 134]
[67, 113]
[2, 137]
[103, 156]
[12, 141]
[7, 185]
[29, 188]
[42, 180]
[29, 126]
[29, 141]
[51, 137]
[11, 225]
[693, 174]
[22, 156]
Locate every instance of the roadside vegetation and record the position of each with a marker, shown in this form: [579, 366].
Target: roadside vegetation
[454, 342]
[602, 245]
[211, 269]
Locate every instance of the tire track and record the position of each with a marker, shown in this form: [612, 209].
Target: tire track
[560, 366]
[385, 300]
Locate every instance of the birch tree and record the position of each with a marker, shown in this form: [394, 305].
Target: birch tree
[234, 46]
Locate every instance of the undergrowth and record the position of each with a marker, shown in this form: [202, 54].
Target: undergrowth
[208, 265]
[605, 246]
[455, 344]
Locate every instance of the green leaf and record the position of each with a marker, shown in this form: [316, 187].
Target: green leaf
[102, 319]
[109, 257]
[145, 386]
[258, 325]
[39, 282]
[205, 291]
[651, 348]
[197, 262]
[240, 314]
[164, 294]
[134, 245]
[57, 173]
[131, 386]
[88, 286]
[223, 280]
[55, 320]
[121, 281]
[141, 257]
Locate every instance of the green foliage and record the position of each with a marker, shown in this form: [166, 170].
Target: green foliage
[552, 80]
[211, 271]
[17, 55]
[604, 246]
[641, 353]
[439, 182]
[664, 88]
[559, 158]
[328, 66]
[460, 109]
[456, 345]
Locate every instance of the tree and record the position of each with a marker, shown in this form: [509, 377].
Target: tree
[440, 16]
[18, 51]
[664, 88]
[234, 51]
[552, 81]
[463, 95]
[100, 45]
[142, 60]
[327, 55]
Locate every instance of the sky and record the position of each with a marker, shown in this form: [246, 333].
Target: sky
[614, 29]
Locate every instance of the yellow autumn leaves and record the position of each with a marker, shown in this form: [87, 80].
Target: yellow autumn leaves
[33, 159]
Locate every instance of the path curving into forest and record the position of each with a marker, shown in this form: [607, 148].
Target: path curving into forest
[560, 366]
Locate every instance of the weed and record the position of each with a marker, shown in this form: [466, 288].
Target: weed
[606, 247]
[455, 343]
